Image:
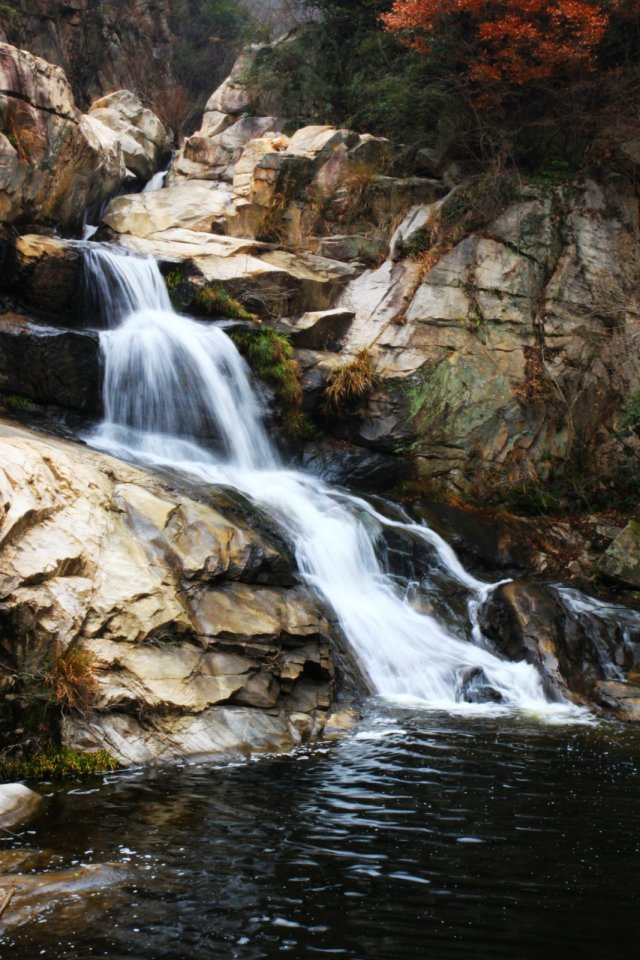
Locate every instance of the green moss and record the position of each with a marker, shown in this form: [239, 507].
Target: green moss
[214, 301]
[55, 763]
[269, 354]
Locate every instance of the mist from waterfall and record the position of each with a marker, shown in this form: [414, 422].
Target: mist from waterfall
[178, 394]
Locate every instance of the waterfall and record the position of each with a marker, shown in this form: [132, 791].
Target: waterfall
[119, 284]
[171, 381]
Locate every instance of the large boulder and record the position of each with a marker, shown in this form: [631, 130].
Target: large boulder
[199, 637]
[54, 163]
[145, 142]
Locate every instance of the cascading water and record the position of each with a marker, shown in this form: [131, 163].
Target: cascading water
[170, 381]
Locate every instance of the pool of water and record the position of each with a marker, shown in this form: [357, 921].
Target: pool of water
[416, 835]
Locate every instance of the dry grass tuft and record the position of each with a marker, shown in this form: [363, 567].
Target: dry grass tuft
[72, 679]
[351, 383]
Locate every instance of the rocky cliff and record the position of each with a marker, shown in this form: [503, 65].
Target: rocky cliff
[102, 45]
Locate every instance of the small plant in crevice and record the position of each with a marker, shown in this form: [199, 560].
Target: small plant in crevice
[537, 386]
[269, 354]
[630, 423]
[273, 226]
[215, 301]
[173, 281]
[350, 383]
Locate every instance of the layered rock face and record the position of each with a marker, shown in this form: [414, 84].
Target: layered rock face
[198, 635]
[54, 162]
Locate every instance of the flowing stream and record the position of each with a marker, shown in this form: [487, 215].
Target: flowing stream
[171, 381]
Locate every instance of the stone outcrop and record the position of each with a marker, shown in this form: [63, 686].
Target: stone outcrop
[503, 355]
[506, 362]
[586, 650]
[145, 142]
[54, 163]
[199, 636]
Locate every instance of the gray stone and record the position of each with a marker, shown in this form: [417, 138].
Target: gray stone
[621, 561]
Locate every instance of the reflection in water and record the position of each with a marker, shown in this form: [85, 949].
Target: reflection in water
[418, 835]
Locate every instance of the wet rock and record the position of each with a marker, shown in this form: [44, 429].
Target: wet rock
[621, 561]
[28, 895]
[620, 697]
[524, 622]
[44, 274]
[49, 365]
[354, 466]
[586, 650]
[17, 804]
[475, 688]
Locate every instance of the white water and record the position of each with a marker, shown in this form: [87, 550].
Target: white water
[156, 182]
[170, 380]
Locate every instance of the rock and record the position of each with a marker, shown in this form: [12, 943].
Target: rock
[620, 697]
[53, 162]
[414, 226]
[191, 617]
[488, 376]
[44, 274]
[234, 96]
[524, 622]
[49, 365]
[207, 156]
[365, 248]
[320, 329]
[586, 650]
[194, 206]
[621, 561]
[475, 688]
[144, 141]
[340, 721]
[33, 894]
[17, 804]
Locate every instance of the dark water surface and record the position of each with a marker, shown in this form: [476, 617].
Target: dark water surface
[417, 835]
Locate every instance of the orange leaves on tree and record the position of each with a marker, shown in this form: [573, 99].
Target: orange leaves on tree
[506, 41]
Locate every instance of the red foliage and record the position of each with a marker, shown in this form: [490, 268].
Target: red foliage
[513, 41]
